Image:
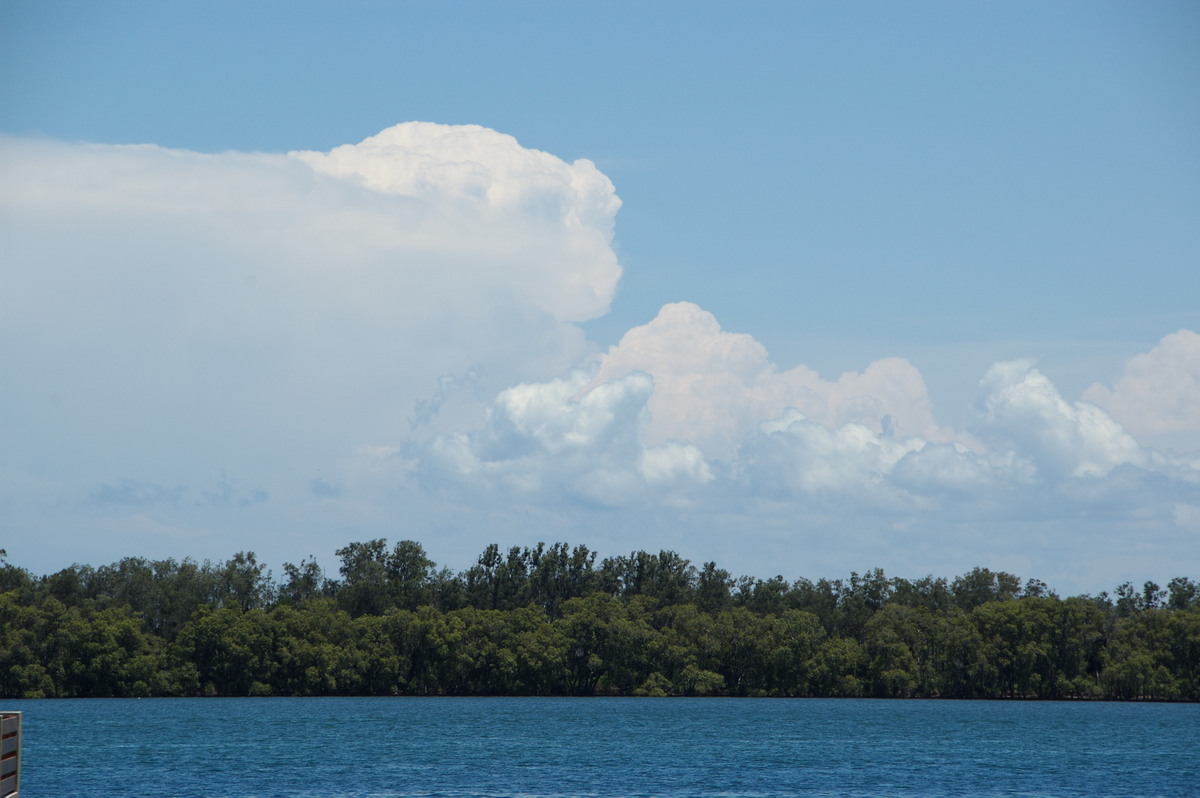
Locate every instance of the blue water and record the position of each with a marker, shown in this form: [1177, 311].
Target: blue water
[486, 747]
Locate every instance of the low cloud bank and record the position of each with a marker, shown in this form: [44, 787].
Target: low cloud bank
[682, 413]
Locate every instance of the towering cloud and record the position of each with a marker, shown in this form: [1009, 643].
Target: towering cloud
[169, 316]
[536, 228]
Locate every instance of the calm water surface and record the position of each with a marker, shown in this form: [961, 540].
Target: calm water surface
[488, 747]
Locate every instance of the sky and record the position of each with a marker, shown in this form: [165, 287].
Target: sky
[801, 288]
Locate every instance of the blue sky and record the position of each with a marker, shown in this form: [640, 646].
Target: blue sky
[862, 214]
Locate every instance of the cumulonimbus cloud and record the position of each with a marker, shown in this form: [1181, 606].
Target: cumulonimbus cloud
[175, 313]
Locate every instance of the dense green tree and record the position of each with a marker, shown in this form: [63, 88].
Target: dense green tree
[546, 620]
[245, 582]
[606, 643]
[1182, 593]
[792, 660]
[982, 586]
[17, 580]
[899, 649]
[740, 644]
[363, 588]
[822, 599]
[838, 668]
[714, 588]
[305, 582]
[931, 593]
[665, 577]
[499, 581]
[763, 596]
[557, 573]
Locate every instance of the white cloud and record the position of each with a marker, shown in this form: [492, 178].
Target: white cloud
[639, 433]
[670, 461]
[712, 387]
[1157, 398]
[943, 472]
[241, 249]
[375, 331]
[169, 314]
[795, 456]
[553, 441]
[1022, 409]
[546, 224]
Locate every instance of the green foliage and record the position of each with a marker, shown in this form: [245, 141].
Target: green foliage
[549, 620]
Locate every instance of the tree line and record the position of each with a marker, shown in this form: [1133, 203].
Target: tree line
[553, 620]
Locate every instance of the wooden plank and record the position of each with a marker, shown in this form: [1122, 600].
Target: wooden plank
[10, 754]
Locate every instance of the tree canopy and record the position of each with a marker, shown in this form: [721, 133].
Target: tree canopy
[558, 620]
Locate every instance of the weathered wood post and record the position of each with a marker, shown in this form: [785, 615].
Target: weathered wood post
[10, 754]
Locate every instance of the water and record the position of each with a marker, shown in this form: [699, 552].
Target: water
[487, 747]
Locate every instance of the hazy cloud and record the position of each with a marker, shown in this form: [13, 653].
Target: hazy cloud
[232, 492]
[134, 493]
[449, 386]
[323, 488]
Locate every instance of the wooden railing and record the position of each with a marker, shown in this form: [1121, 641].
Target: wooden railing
[10, 754]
